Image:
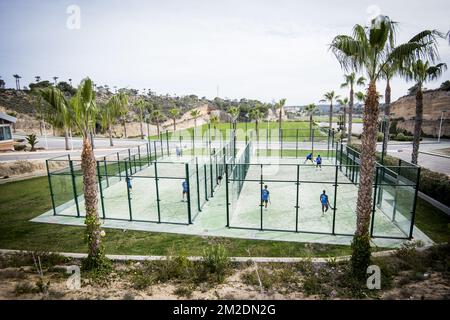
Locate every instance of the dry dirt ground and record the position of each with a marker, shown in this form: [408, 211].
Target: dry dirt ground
[414, 279]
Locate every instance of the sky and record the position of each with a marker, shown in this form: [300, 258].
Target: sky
[264, 50]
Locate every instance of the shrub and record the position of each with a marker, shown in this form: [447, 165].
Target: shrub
[32, 141]
[380, 136]
[216, 261]
[19, 147]
[24, 288]
[402, 137]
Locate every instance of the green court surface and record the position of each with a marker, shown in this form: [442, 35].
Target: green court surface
[293, 214]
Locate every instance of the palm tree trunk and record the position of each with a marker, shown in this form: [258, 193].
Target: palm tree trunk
[157, 127]
[40, 127]
[88, 166]
[142, 130]
[331, 114]
[125, 128]
[310, 126]
[66, 139]
[361, 241]
[417, 125]
[387, 112]
[148, 129]
[344, 121]
[111, 143]
[174, 125]
[350, 116]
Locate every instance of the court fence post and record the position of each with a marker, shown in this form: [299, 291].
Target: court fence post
[118, 167]
[157, 193]
[296, 144]
[148, 154]
[413, 213]
[211, 177]
[206, 182]
[127, 178]
[167, 143]
[374, 201]
[154, 148]
[101, 189]
[188, 194]
[335, 199]
[260, 198]
[52, 196]
[139, 157]
[74, 187]
[106, 170]
[297, 196]
[227, 196]
[198, 185]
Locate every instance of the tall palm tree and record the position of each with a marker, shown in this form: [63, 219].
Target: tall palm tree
[330, 97]
[214, 120]
[157, 117]
[421, 72]
[368, 50]
[59, 112]
[70, 81]
[140, 107]
[17, 77]
[110, 112]
[310, 110]
[280, 105]
[84, 118]
[55, 79]
[195, 114]
[256, 114]
[38, 78]
[343, 102]
[234, 114]
[350, 82]
[174, 114]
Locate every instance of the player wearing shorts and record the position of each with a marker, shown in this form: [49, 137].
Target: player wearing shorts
[310, 158]
[325, 202]
[265, 196]
[185, 189]
[319, 162]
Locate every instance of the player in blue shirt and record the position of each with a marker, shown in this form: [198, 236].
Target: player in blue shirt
[309, 157]
[325, 202]
[129, 185]
[265, 196]
[185, 189]
[319, 162]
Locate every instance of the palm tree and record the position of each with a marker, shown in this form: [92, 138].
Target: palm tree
[280, 105]
[330, 97]
[157, 117]
[214, 120]
[350, 81]
[421, 72]
[195, 114]
[59, 112]
[234, 114]
[310, 110]
[38, 78]
[368, 50]
[343, 102]
[110, 111]
[173, 114]
[123, 110]
[70, 81]
[256, 114]
[54, 79]
[140, 106]
[84, 118]
[17, 77]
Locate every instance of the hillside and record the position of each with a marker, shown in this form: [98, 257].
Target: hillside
[434, 103]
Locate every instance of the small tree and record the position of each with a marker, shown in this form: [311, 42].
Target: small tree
[174, 114]
[32, 141]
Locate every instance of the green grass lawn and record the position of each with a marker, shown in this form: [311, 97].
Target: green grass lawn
[24, 200]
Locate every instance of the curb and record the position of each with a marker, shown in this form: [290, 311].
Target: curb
[198, 258]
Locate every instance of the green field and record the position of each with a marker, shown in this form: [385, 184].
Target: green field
[24, 200]
[266, 130]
